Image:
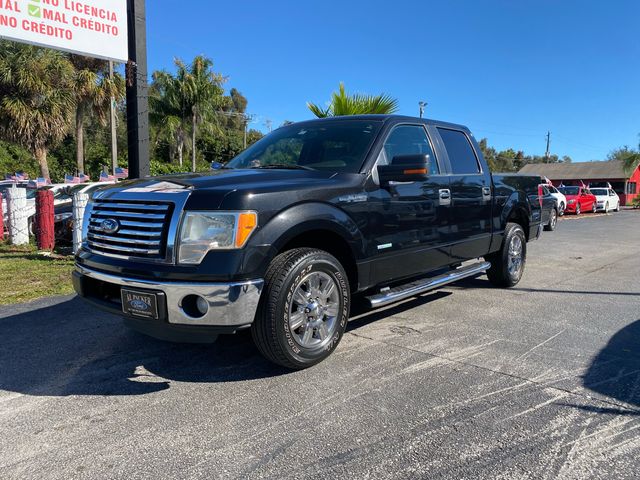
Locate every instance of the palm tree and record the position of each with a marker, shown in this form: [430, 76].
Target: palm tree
[358, 104]
[186, 101]
[36, 98]
[203, 92]
[167, 111]
[94, 90]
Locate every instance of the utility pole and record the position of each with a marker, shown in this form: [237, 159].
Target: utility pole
[422, 106]
[546, 153]
[137, 91]
[114, 140]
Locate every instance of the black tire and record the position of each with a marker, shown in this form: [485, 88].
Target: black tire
[271, 330]
[499, 274]
[553, 221]
[594, 209]
[562, 207]
[578, 209]
[606, 207]
[618, 207]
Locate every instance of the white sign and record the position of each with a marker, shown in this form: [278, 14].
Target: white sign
[96, 28]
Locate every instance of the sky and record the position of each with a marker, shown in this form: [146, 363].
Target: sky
[510, 70]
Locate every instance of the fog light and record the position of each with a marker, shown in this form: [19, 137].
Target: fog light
[195, 306]
[202, 305]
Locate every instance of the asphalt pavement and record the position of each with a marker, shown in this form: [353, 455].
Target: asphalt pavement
[540, 381]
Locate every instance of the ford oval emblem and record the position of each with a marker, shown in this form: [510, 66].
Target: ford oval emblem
[139, 305]
[110, 225]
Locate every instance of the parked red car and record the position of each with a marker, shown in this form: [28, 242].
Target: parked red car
[579, 199]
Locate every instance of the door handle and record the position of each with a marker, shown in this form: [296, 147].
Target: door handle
[445, 196]
[486, 191]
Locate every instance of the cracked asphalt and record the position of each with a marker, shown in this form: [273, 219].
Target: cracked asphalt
[540, 381]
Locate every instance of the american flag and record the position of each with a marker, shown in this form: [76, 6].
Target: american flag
[105, 177]
[121, 172]
[39, 182]
[71, 179]
[16, 177]
[83, 178]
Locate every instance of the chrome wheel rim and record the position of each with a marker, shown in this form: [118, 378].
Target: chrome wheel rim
[514, 264]
[554, 219]
[314, 309]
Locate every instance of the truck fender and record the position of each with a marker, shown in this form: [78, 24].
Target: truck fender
[305, 217]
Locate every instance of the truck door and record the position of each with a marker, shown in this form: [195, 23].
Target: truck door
[409, 222]
[471, 197]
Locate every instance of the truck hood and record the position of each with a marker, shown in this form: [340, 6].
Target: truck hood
[212, 188]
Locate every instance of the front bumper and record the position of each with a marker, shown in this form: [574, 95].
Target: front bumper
[231, 306]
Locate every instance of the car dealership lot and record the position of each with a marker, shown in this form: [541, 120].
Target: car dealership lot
[542, 381]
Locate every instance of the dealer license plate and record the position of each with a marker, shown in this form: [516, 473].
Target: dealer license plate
[139, 304]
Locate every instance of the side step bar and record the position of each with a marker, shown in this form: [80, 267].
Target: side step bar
[424, 285]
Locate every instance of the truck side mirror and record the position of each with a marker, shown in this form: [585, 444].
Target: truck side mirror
[405, 168]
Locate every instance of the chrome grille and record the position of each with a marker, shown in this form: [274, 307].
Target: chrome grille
[142, 228]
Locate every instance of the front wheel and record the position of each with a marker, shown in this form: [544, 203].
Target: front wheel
[578, 211]
[594, 209]
[303, 310]
[507, 264]
[561, 212]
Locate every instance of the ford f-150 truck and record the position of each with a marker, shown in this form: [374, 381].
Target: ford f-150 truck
[281, 238]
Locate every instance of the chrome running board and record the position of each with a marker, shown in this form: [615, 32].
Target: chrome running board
[424, 285]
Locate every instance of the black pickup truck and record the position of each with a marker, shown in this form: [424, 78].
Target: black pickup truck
[281, 238]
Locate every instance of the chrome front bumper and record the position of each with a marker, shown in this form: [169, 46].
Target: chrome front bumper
[230, 304]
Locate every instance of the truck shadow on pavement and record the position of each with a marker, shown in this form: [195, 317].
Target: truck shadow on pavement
[60, 347]
[615, 372]
[70, 348]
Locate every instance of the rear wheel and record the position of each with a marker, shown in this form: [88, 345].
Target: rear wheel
[507, 264]
[606, 207]
[303, 310]
[553, 221]
[618, 207]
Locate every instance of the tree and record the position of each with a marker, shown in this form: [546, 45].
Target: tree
[343, 104]
[186, 100]
[94, 90]
[629, 157]
[36, 98]
[204, 94]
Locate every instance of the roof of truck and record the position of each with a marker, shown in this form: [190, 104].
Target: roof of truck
[390, 119]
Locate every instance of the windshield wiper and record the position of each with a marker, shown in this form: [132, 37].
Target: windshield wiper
[285, 166]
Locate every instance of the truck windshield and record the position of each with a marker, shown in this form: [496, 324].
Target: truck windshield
[570, 190]
[339, 146]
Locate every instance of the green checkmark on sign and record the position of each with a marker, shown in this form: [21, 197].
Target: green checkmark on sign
[34, 11]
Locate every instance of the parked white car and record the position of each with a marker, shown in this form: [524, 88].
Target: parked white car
[59, 198]
[607, 199]
[561, 200]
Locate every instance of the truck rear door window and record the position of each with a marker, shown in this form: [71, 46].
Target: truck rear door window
[461, 156]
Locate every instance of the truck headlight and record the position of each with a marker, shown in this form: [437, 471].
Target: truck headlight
[204, 231]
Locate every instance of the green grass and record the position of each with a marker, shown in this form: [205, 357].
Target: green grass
[26, 274]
